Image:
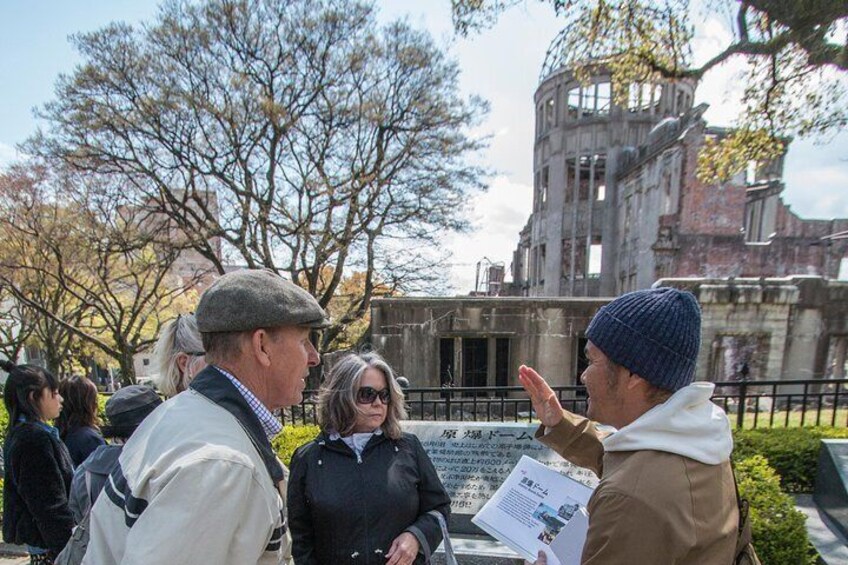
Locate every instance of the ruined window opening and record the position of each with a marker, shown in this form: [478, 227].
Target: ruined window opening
[837, 357]
[737, 356]
[542, 264]
[574, 103]
[475, 361]
[544, 187]
[643, 97]
[604, 96]
[602, 192]
[751, 172]
[843, 269]
[540, 123]
[580, 262]
[531, 277]
[502, 363]
[595, 257]
[566, 259]
[525, 268]
[666, 188]
[585, 172]
[537, 200]
[446, 357]
[589, 101]
[549, 113]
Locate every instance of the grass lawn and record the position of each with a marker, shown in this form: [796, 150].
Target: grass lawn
[793, 418]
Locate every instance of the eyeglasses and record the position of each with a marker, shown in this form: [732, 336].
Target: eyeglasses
[367, 395]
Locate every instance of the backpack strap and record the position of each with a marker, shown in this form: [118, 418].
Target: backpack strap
[89, 491]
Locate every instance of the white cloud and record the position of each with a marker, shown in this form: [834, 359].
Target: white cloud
[816, 179]
[720, 87]
[498, 216]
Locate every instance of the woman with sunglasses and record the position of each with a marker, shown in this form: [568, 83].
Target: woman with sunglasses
[364, 491]
[178, 355]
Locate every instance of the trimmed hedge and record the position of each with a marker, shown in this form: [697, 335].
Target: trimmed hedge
[4, 422]
[290, 439]
[778, 529]
[101, 406]
[792, 452]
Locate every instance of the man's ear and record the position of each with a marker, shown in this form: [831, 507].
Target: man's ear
[259, 341]
[635, 382]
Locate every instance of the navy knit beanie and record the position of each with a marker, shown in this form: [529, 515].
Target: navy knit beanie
[654, 333]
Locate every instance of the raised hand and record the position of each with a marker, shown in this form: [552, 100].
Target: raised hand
[544, 399]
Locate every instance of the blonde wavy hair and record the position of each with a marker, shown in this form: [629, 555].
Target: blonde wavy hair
[337, 408]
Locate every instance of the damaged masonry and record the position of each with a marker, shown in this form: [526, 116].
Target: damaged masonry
[755, 328]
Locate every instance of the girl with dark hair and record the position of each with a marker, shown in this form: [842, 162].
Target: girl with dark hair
[38, 469]
[78, 422]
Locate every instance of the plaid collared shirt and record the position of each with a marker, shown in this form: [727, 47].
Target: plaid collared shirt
[270, 425]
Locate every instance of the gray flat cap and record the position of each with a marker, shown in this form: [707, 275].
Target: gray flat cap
[251, 299]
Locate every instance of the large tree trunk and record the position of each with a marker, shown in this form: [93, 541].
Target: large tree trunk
[127, 367]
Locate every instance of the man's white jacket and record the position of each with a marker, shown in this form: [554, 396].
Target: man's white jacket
[197, 483]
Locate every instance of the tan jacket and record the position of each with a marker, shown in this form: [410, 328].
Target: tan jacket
[651, 507]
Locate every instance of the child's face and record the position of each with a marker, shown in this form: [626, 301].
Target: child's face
[49, 404]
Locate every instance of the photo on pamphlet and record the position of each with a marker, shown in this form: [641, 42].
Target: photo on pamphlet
[552, 524]
[538, 509]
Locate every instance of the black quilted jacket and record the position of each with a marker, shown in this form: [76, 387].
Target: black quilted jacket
[346, 511]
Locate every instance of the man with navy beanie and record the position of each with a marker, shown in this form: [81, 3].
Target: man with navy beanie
[666, 494]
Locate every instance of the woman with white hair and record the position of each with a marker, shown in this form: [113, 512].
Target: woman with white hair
[364, 491]
[178, 355]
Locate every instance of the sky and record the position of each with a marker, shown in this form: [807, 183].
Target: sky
[501, 64]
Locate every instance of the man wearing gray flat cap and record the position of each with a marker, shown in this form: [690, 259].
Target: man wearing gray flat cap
[198, 482]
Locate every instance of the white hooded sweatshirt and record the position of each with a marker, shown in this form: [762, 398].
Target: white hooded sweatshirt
[686, 424]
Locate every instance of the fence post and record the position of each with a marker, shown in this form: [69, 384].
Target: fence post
[743, 401]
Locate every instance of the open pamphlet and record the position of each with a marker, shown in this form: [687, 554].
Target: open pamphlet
[537, 508]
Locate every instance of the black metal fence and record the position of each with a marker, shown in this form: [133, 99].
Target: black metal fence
[749, 404]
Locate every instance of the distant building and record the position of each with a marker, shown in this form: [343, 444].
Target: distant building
[191, 269]
[757, 328]
[617, 204]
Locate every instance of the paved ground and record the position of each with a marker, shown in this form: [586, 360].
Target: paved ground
[11, 554]
[825, 536]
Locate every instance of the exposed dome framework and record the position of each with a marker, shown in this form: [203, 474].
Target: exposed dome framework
[557, 58]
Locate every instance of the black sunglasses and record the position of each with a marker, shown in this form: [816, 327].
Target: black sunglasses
[367, 395]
